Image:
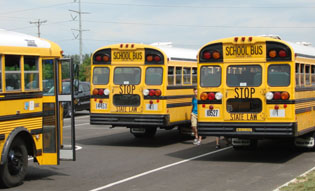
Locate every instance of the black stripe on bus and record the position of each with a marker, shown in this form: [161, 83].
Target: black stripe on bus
[209, 101]
[180, 87]
[183, 59]
[303, 110]
[2, 137]
[305, 55]
[303, 89]
[305, 100]
[99, 96]
[172, 105]
[21, 95]
[281, 101]
[36, 131]
[168, 97]
[21, 116]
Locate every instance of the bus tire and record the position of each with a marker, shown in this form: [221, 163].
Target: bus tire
[150, 132]
[13, 171]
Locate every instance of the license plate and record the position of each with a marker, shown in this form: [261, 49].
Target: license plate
[127, 56]
[151, 107]
[277, 113]
[212, 113]
[244, 129]
[101, 106]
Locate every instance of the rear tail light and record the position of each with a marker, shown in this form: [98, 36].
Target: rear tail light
[218, 96]
[272, 53]
[149, 58]
[285, 96]
[100, 92]
[95, 92]
[277, 95]
[152, 92]
[157, 58]
[207, 55]
[216, 55]
[211, 96]
[204, 96]
[158, 92]
[145, 92]
[106, 91]
[282, 53]
[269, 95]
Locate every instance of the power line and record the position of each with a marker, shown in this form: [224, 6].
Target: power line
[38, 23]
[201, 7]
[80, 30]
[199, 26]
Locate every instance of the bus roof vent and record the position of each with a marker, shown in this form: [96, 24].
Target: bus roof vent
[168, 44]
[274, 36]
[304, 43]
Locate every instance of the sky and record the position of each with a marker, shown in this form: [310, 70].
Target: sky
[185, 23]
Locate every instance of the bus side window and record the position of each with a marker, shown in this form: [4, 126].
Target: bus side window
[170, 75]
[297, 74]
[0, 73]
[13, 72]
[307, 75]
[187, 76]
[302, 73]
[178, 75]
[31, 73]
[194, 76]
[313, 74]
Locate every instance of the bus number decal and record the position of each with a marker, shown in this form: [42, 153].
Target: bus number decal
[127, 89]
[244, 92]
[243, 116]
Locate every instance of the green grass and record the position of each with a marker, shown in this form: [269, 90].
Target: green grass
[304, 183]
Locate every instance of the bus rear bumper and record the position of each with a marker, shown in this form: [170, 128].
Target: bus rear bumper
[129, 120]
[248, 130]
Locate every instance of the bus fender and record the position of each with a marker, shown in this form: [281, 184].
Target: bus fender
[17, 131]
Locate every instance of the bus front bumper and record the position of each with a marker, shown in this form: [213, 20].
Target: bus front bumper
[248, 130]
[129, 120]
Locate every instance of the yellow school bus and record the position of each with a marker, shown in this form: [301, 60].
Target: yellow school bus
[142, 87]
[257, 87]
[30, 114]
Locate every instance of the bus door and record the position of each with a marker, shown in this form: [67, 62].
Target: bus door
[67, 86]
[54, 148]
[127, 90]
[245, 92]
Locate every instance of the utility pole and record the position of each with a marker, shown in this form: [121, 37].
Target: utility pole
[80, 30]
[38, 23]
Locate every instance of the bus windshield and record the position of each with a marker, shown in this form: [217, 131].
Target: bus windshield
[127, 76]
[241, 75]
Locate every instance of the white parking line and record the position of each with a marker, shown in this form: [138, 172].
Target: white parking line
[157, 169]
[76, 125]
[295, 179]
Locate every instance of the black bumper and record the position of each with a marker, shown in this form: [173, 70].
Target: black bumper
[129, 120]
[259, 130]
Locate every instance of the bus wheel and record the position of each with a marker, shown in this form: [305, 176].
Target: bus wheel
[12, 173]
[143, 132]
[251, 146]
[150, 132]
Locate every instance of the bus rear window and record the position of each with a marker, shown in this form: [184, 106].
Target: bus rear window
[210, 76]
[241, 75]
[100, 75]
[127, 76]
[153, 76]
[279, 75]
